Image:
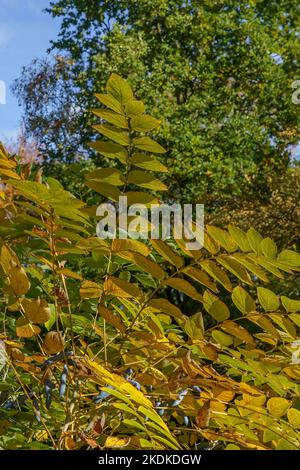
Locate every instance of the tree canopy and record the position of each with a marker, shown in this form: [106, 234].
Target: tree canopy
[220, 72]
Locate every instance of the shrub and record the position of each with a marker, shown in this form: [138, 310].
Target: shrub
[94, 353]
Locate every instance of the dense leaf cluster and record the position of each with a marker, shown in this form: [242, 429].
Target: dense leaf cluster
[93, 351]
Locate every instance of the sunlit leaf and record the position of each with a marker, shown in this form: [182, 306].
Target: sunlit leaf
[243, 300]
[278, 406]
[268, 300]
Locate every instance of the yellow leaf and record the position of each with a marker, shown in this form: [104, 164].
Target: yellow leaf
[214, 271]
[70, 274]
[134, 108]
[251, 265]
[167, 253]
[278, 406]
[264, 322]
[210, 244]
[194, 326]
[19, 281]
[144, 263]
[294, 417]
[222, 393]
[240, 238]
[167, 307]
[290, 305]
[233, 266]
[238, 331]
[185, 287]
[215, 307]
[116, 442]
[268, 247]
[289, 258]
[107, 190]
[120, 288]
[223, 238]
[9, 174]
[254, 239]
[110, 102]
[129, 244]
[222, 338]
[37, 311]
[111, 318]
[137, 197]
[203, 416]
[25, 329]
[90, 290]
[200, 277]
[53, 342]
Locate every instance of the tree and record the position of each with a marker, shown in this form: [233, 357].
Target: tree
[220, 72]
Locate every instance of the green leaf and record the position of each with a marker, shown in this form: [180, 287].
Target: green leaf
[222, 338]
[113, 133]
[269, 248]
[268, 300]
[144, 263]
[254, 239]
[134, 108]
[289, 258]
[233, 266]
[144, 180]
[290, 305]
[223, 237]
[194, 327]
[214, 271]
[147, 144]
[119, 89]
[113, 118]
[106, 175]
[110, 102]
[110, 150]
[243, 300]
[148, 162]
[105, 189]
[215, 307]
[144, 123]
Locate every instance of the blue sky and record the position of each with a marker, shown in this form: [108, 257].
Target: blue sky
[25, 34]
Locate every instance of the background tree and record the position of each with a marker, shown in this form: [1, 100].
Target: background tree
[219, 71]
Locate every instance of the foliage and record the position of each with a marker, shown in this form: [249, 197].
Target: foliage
[275, 212]
[107, 361]
[220, 72]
